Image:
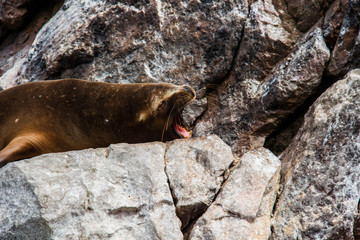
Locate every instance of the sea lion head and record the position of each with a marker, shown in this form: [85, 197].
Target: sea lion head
[163, 112]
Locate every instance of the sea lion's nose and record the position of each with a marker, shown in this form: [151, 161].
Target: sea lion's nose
[189, 90]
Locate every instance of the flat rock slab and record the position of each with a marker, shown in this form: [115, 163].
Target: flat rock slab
[115, 193]
[121, 192]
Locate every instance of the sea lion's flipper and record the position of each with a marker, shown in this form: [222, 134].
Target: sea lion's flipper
[21, 147]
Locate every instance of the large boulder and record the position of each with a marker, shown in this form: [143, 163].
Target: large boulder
[196, 173]
[321, 170]
[115, 193]
[249, 110]
[243, 208]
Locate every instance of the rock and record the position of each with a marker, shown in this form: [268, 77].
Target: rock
[123, 191]
[142, 41]
[307, 12]
[242, 209]
[346, 54]
[250, 110]
[13, 13]
[114, 193]
[333, 20]
[320, 169]
[196, 175]
[15, 44]
[268, 38]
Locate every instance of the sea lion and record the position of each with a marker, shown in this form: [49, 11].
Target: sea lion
[70, 114]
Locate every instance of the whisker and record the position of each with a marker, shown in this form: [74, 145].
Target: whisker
[167, 123]
[165, 128]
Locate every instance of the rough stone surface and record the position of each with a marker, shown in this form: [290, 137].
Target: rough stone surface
[138, 41]
[307, 12]
[346, 54]
[268, 38]
[13, 13]
[258, 107]
[196, 175]
[321, 169]
[242, 209]
[115, 193]
[15, 44]
[125, 190]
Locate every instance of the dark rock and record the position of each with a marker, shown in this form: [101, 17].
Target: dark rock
[320, 169]
[346, 53]
[250, 110]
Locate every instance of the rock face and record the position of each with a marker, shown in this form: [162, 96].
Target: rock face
[257, 107]
[114, 193]
[321, 169]
[132, 191]
[257, 66]
[196, 175]
[137, 41]
[242, 209]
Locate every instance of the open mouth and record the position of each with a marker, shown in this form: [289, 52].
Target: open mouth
[180, 127]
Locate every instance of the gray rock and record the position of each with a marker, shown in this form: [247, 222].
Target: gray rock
[139, 41]
[115, 193]
[321, 169]
[196, 169]
[243, 208]
[125, 191]
[268, 37]
[250, 110]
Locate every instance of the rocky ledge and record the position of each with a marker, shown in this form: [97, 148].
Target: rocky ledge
[190, 187]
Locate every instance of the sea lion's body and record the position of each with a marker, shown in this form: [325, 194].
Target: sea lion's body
[63, 115]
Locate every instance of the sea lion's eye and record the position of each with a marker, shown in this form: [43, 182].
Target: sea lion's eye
[161, 104]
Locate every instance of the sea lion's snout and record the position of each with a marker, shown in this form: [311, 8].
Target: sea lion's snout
[189, 90]
[190, 93]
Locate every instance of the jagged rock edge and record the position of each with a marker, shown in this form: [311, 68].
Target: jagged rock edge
[186, 230]
[227, 75]
[302, 109]
[226, 174]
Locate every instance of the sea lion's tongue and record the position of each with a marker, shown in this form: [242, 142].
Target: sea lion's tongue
[182, 131]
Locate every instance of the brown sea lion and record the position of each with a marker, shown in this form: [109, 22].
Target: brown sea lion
[62, 115]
